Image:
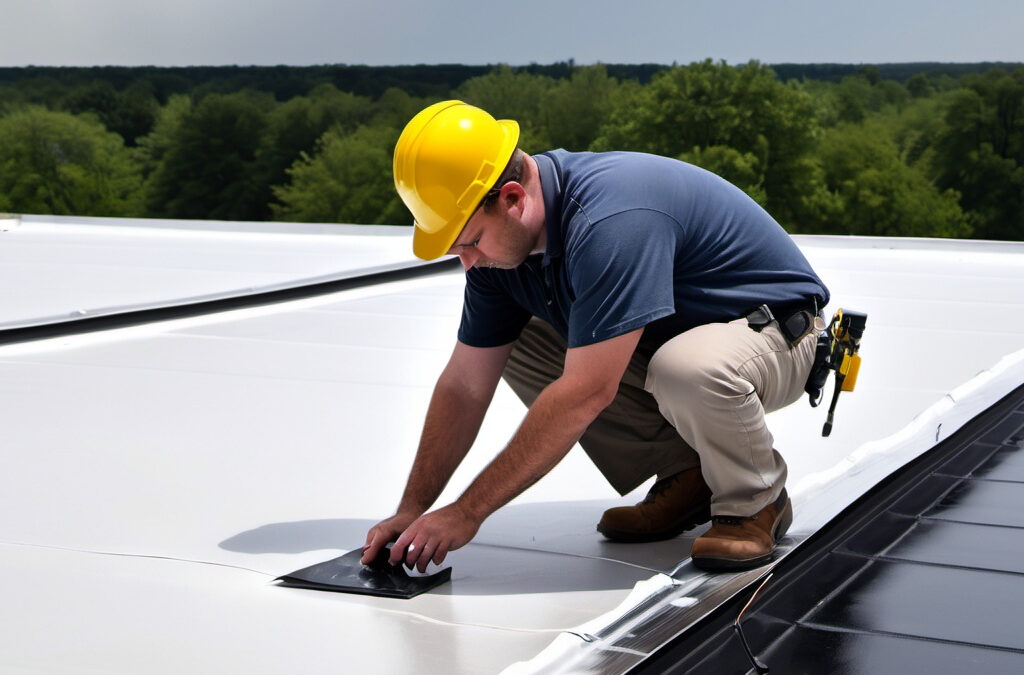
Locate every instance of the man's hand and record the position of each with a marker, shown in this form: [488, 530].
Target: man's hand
[431, 536]
[456, 410]
[384, 532]
[555, 421]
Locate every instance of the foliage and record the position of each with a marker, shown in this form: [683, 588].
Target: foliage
[858, 96]
[161, 140]
[395, 107]
[294, 127]
[210, 163]
[348, 180]
[899, 149]
[690, 109]
[879, 194]
[433, 81]
[55, 162]
[981, 152]
[572, 112]
[129, 113]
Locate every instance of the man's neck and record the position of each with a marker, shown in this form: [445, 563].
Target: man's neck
[533, 216]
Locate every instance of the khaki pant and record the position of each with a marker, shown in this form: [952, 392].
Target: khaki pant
[700, 401]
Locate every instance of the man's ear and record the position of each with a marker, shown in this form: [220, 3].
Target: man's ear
[512, 198]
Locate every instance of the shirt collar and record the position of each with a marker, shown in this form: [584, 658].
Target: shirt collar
[551, 187]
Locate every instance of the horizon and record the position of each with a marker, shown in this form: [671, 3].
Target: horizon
[183, 33]
[495, 64]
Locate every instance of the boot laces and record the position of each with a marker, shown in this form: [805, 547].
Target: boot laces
[659, 488]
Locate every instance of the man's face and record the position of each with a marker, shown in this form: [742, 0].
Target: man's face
[494, 239]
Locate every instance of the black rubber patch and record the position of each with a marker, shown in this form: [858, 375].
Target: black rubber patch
[347, 575]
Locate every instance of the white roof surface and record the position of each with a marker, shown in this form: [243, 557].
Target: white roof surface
[157, 478]
[83, 267]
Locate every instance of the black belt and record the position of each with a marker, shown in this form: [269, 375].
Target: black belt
[795, 319]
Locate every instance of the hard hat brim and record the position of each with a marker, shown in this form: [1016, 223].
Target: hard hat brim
[431, 246]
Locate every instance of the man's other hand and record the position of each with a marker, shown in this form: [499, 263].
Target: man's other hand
[383, 532]
[431, 536]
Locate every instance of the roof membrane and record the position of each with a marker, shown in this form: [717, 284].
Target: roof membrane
[159, 477]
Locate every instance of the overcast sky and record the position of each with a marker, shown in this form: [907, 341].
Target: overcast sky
[382, 32]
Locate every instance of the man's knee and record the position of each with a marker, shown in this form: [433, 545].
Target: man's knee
[697, 363]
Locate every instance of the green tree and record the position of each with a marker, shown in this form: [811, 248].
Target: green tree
[45, 91]
[880, 195]
[571, 113]
[915, 129]
[856, 97]
[167, 126]
[348, 180]
[58, 163]
[295, 126]
[130, 113]
[98, 96]
[208, 167]
[871, 74]
[688, 109]
[920, 86]
[981, 152]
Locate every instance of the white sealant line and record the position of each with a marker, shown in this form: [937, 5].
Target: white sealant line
[416, 615]
[119, 554]
[575, 555]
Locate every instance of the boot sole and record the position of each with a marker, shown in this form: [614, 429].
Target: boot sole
[739, 565]
[692, 520]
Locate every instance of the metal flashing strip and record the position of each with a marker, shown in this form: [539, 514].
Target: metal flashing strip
[85, 324]
[923, 573]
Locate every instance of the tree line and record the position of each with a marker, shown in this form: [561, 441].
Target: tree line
[938, 153]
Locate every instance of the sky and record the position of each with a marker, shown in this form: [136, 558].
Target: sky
[393, 32]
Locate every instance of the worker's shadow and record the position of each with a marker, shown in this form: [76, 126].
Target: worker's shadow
[525, 548]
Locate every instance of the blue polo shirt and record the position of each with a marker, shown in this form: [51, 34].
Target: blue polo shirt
[636, 240]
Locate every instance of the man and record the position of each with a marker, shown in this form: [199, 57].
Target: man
[639, 305]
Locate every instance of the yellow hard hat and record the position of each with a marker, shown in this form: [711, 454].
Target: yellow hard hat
[446, 160]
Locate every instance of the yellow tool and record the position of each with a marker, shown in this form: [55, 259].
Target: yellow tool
[837, 352]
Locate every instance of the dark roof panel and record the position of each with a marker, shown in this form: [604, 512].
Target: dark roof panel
[841, 653]
[924, 574]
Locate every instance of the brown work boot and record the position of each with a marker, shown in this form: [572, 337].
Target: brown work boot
[733, 543]
[672, 506]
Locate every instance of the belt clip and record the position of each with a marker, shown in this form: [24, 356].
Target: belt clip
[759, 318]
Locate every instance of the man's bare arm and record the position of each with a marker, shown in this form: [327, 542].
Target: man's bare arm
[457, 407]
[552, 426]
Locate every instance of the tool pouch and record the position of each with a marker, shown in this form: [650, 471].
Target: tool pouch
[836, 352]
[796, 326]
[819, 369]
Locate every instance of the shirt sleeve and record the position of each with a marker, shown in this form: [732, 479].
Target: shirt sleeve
[621, 272]
[490, 315]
